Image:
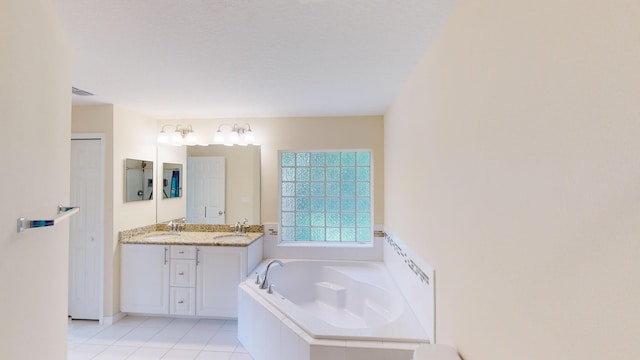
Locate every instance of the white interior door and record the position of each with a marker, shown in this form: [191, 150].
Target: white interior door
[205, 190]
[86, 229]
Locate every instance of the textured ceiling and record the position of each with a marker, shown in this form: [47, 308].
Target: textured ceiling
[247, 58]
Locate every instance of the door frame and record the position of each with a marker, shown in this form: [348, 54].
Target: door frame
[101, 137]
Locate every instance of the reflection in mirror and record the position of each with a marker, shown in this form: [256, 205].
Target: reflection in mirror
[206, 184]
[241, 169]
[168, 208]
[138, 180]
[171, 180]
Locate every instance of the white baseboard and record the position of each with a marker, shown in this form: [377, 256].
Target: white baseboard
[110, 320]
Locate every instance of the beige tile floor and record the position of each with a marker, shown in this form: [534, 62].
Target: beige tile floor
[137, 337]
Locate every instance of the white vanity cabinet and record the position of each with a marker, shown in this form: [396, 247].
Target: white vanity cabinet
[144, 279]
[185, 280]
[218, 273]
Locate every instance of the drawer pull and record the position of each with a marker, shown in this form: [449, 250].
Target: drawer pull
[181, 252]
[181, 302]
[180, 273]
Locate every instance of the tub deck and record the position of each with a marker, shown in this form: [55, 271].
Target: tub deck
[323, 306]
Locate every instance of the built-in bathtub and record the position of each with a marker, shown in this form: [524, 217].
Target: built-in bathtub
[323, 309]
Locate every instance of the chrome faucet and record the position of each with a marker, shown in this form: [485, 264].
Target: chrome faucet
[241, 228]
[264, 283]
[177, 226]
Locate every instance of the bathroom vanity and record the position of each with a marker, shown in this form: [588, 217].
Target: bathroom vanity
[186, 273]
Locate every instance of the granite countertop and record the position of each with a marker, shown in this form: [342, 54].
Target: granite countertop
[193, 238]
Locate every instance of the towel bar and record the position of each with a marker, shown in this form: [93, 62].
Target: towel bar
[63, 213]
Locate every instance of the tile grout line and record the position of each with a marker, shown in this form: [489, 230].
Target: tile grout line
[185, 334]
[223, 328]
[113, 344]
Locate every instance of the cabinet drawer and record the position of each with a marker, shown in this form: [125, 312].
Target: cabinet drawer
[182, 301]
[183, 273]
[183, 252]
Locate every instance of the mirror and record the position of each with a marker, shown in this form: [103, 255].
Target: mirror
[241, 185]
[242, 181]
[171, 180]
[138, 175]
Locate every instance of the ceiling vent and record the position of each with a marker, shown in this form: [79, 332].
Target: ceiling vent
[80, 92]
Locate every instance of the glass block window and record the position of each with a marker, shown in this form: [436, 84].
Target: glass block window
[326, 196]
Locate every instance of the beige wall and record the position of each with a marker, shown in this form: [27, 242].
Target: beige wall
[512, 167]
[134, 138]
[35, 68]
[307, 133]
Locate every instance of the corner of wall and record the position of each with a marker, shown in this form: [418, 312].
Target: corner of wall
[415, 279]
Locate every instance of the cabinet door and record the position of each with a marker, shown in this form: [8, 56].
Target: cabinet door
[144, 279]
[219, 270]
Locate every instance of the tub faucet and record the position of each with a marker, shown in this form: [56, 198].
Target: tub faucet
[264, 283]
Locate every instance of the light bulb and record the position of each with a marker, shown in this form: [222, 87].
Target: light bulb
[249, 137]
[176, 138]
[163, 138]
[218, 137]
[233, 137]
[191, 138]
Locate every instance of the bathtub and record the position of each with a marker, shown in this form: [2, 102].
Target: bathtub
[326, 303]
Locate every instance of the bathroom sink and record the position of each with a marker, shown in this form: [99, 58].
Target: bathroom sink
[161, 236]
[230, 237]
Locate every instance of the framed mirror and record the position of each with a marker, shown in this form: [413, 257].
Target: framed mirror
[172, 180]
[138, 179]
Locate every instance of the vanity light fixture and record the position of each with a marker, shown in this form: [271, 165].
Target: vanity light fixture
[237, 135]
[182, 135]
